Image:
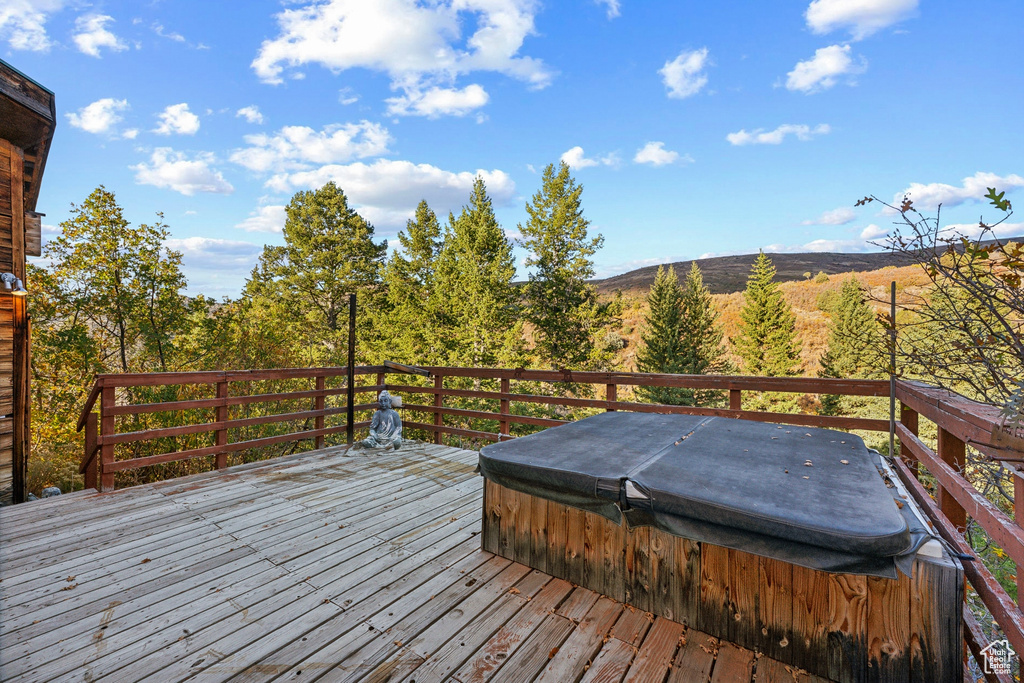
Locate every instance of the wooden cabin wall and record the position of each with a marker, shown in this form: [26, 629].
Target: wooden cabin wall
[13, 331]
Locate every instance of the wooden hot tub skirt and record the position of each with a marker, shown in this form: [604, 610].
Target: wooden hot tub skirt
[840, 626]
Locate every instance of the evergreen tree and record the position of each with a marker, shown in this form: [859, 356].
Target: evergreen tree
[328, 253]
[700, 338]
[474, 306]
[681, 336]
[407, 318]
[853, 342]
[660, 342]
[561, 304]
[767, 341]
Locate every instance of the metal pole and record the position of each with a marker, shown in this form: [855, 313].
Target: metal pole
[351, 410]
[892, 369]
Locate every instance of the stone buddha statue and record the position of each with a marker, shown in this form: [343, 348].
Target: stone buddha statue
[385, 427]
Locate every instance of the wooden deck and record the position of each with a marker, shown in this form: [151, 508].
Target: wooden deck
[319, 566]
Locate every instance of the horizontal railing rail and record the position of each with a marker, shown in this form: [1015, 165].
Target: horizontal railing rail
[99, 463]
[514, 392]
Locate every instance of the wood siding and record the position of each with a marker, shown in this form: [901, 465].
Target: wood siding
[13, 330]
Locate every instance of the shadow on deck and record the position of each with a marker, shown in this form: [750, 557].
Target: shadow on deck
[318, 566]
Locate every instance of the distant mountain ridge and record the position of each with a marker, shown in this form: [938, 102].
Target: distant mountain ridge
[727, 274]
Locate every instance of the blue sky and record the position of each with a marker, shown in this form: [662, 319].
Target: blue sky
[695, 128]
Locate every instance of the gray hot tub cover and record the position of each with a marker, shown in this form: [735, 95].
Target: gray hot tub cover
[811, 497]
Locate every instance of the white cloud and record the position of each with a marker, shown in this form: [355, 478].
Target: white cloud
[130, 134]
[216, 253]
[174, 170]
[861, 17]
[437, 102]
[265, 219]
[420, 46]
[575, 159]
[611, 6]
[300, 147]
[684, 76]
[92, 34]
[626, 266]
[347, 96]
[655, 154]
[821, 71]
[23, 23]
[251, 114]
[387, 191]
[176, 118]
[215, 267]
[873, 232]
[775, 137]
[820, 246]
[840, 216]
[973, 230]
[973, 188]
[99, 117]
[172, 35]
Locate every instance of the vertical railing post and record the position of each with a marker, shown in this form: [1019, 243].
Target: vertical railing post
[909, 419]
[221, 416]
[350, 413]
[319, 404]
[93, 467]
[107, 428]
[1018, 517]
[611, 392]
[953, 452]
[503, 424]
[438, 417]
[381, 382]
[735, 399]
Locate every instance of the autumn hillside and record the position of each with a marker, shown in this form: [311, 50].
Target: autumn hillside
[806, 296]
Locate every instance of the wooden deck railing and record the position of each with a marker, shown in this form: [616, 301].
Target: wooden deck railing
[959, 421]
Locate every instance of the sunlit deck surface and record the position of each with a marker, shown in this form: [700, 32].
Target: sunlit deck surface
[318, 566]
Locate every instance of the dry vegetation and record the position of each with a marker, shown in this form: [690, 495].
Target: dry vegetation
[805, 296]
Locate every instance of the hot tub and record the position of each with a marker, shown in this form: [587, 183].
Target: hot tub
[788, 540]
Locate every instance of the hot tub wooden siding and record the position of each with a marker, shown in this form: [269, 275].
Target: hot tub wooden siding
[840, 626]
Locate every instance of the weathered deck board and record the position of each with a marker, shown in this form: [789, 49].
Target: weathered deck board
[320, 566]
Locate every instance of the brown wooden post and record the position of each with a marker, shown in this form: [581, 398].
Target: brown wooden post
[503, 424]
[1018, 517]
[107, 428]
[735, 399]
[221, 415]
[319, 404]
[953, 452]
[350, 411]
[438, 418]
[92, 469]
[611, 394]
[382, 383]
[909, 419]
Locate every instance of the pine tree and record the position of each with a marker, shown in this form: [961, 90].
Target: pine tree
[560, 303]
[328, 254]
[406, 319]
[681, 336]
[767, 341]
[700, 338]
[853, 342]
[474, 306]
[660, 341]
